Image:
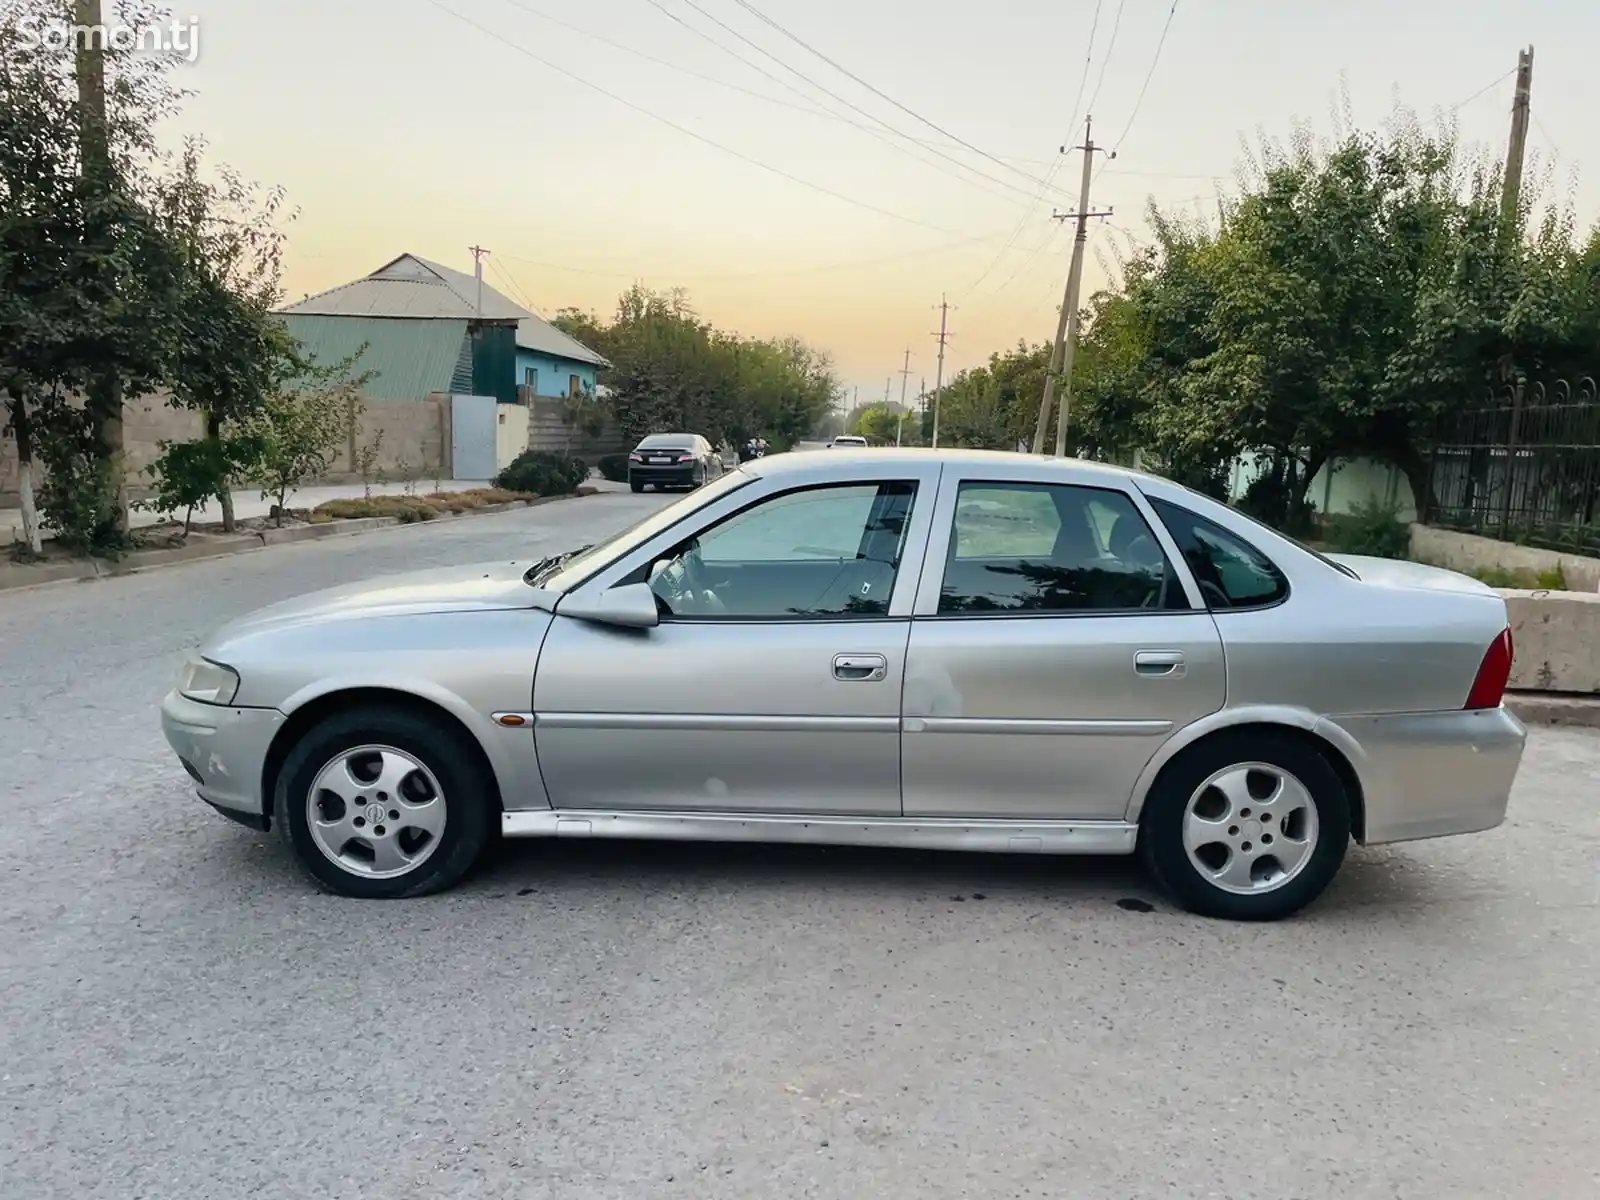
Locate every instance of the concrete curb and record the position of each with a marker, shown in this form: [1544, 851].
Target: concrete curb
[1554, 708]
[21, 577]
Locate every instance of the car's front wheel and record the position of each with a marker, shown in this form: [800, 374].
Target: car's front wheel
[1250, 826]
[381, 803]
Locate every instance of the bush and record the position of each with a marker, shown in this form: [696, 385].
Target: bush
[409, 509]
[80, 491]
[1372, 528]
[614, 467]
[542, 474]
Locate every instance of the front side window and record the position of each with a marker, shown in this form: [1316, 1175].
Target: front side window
[1053, 548]
[826, 553]
[1230, 571]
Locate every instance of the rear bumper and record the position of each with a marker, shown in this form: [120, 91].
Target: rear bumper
[1428, 775]
[223, 750]
[667, 475]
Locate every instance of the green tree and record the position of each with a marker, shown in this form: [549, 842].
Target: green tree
[234, 351]
[89, 284]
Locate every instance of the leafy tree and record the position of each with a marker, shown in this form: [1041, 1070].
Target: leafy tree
[671, 370]
[296, 432]
[233, 351]
[89, 283]
[875, 422]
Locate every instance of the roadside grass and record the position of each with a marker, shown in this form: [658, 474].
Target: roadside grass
[411, 509]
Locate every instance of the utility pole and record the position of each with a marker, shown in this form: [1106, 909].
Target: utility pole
[1067, 325]
[905, 378]
[105, 392]
[938, 378]
[478, 255]
[1517, 149]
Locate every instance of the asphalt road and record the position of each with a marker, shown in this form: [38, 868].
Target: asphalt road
[181, 1016]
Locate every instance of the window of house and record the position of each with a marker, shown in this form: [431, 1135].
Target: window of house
[1043, 548]
[1230, 571]
[826, 553]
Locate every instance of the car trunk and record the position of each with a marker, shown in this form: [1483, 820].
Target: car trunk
[1395, 573]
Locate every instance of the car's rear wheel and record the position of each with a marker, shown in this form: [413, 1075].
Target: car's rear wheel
[636, 484]
[380, 803]
[1250, 826]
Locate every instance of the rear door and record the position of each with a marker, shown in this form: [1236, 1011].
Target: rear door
[1054, 647]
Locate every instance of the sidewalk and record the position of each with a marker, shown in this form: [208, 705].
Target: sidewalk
[247, 502]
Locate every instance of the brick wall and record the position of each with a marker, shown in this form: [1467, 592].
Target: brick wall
[146, 423]
[548, 431]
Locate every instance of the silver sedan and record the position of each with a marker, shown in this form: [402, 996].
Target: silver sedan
[942, 650]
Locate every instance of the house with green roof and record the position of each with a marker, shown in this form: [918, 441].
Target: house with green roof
[430, 329]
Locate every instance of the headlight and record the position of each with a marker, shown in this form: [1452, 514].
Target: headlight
[208, 682]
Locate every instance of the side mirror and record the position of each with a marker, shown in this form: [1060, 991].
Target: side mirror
[631, 606]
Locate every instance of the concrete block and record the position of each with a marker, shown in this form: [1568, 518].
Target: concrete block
[1467, 553]
[1540, 708]
[1557, 640]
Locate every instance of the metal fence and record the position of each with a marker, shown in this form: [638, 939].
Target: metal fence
[1523, 467]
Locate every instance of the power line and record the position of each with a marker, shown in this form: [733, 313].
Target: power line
[1055, 166]
[767, 274]
[848, 103]
[1493, 83]
[882, 95]
[1149, 75]
[1116, 23]
[685, 130]
[669, 64]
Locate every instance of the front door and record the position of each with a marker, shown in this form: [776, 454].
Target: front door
[772, 683]
[1054, 649]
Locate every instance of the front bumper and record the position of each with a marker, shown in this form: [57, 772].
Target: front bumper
[223, 750]
[1428, 775]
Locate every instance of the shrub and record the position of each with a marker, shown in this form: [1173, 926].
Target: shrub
[408, 508]
[79, 487]
[1373, 528]
[542, 474]
[614, 467]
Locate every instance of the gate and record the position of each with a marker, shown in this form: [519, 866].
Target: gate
[473, 430]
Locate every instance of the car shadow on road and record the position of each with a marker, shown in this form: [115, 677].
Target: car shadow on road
[1386, 883]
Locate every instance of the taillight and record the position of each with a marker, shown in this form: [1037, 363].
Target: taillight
[635, 457]
[685, 458]
[1493, 673]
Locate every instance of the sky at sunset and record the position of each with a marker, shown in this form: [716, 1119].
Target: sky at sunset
[788, 197]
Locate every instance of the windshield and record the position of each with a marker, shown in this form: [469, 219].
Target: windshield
[575, 570]
[666, 441]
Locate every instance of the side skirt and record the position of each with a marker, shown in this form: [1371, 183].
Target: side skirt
[910, 833]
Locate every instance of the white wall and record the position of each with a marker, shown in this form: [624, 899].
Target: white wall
[1343, 485]
[510, 434]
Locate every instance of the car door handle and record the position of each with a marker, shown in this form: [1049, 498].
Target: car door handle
[860, 668]
[1159, 664]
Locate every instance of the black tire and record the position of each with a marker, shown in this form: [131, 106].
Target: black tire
[464, 779]
[1161, 825]
[636, 485]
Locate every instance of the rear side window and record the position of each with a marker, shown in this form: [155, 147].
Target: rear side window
[1230, 571]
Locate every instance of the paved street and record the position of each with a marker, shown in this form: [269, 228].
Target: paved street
[181, 1016]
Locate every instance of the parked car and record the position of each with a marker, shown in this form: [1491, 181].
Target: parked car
[954, 650]
[850, 441]
[673, 460]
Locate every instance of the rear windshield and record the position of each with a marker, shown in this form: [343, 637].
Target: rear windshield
[667, 441]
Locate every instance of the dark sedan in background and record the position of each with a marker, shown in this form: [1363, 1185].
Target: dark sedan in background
[684, 460]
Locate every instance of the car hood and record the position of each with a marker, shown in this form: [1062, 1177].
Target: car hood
[1390, 572]
[483, 587]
